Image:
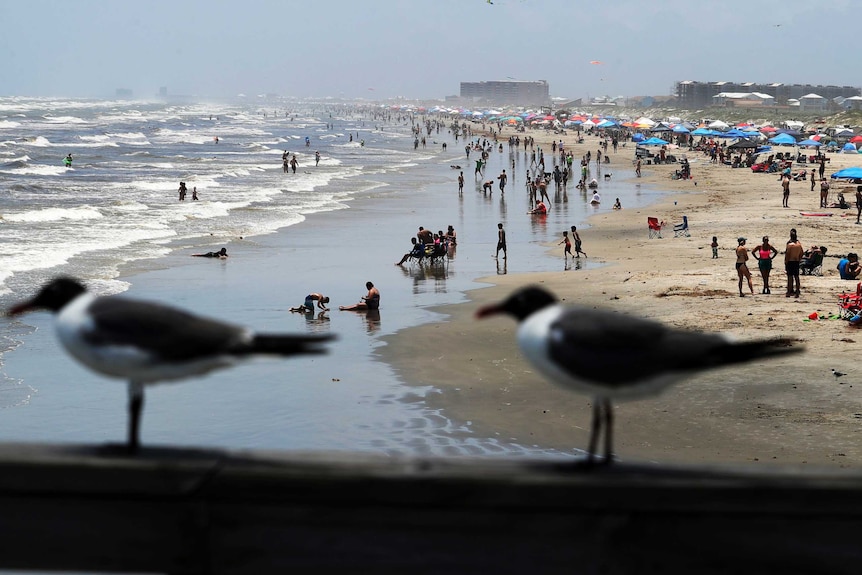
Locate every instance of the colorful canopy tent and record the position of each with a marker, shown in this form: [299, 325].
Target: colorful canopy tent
[743, 144]
[653, 142]
[849, 148]
[704, 132]
[809, 142]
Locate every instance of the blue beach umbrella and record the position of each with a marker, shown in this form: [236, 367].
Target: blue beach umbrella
[848, 174]
[783, 139]
[809, 142]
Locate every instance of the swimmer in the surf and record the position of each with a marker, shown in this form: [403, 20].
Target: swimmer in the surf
[221, 254]
[68, 161]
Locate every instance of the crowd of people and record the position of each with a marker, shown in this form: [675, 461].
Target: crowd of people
[427, 244]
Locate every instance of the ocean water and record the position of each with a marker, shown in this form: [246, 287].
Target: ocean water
[114, 214]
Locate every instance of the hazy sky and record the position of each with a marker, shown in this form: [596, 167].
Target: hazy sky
[380, 49]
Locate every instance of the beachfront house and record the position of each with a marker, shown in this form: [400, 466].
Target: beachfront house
[852, 103]
[742, 99]
[813, 103]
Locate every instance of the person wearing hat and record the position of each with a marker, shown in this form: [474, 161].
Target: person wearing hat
[742, 265]
[764, 254]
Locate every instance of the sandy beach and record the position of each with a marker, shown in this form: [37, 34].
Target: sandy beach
[789, 411]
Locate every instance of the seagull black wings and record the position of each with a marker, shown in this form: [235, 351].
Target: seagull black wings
[599, 346]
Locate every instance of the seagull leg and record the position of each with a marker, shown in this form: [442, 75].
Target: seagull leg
[595, 429]
[136, 404]
[609, 427]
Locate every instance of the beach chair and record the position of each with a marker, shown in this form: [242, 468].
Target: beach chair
[654, 228]
[850, 303]
[812, 266]
[682, 229]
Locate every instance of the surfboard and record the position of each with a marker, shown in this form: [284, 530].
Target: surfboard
[814, 214]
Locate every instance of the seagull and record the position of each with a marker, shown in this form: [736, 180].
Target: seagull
[147, 343]
[837, 374]
[613, 356]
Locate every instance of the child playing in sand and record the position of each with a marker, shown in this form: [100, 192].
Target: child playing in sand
[714, 246]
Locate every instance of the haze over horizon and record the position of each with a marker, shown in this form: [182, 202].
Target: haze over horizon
[382, 49]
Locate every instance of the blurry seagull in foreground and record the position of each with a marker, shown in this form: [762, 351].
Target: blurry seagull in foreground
[614, 356]
[147, 343]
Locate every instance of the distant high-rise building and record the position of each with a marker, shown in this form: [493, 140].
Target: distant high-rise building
[693, 95]
[517, 92]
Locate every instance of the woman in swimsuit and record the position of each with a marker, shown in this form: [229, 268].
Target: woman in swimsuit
[764, 254]
[742, 266]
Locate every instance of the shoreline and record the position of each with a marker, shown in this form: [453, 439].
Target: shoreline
[354, 401]
[746, 414]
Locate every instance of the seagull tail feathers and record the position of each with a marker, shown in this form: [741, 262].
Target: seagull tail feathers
[741, 352]
[289, 344]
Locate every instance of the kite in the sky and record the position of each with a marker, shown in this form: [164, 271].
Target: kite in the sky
[596, 62]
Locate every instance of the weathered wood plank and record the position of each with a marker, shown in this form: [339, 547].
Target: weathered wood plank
[214, 511]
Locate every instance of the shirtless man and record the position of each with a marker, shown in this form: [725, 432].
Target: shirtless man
[742, 265]
[308, 305]
[371, 300]
[792, 256]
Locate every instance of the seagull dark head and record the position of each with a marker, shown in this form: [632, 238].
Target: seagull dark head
[53, 296]
[521, 304]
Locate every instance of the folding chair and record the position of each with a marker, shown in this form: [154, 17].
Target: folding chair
[813, 266]
[654, 228]
[681, 229]
[850, 303]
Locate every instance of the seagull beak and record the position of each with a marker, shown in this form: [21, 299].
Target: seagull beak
[20, 308]
[489, 310]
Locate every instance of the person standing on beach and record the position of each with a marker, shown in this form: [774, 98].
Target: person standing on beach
[503, 177]
[764, 254]
[714, 246]
[812, 179]
[577, 237]
[742, 265]
[792, 256]
[501, 241]
[858, 203]
[638, 168]
[461, 183]
[785, 190]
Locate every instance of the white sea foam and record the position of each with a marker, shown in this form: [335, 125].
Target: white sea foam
[36, 170]
[54, 214]
[8, 124]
